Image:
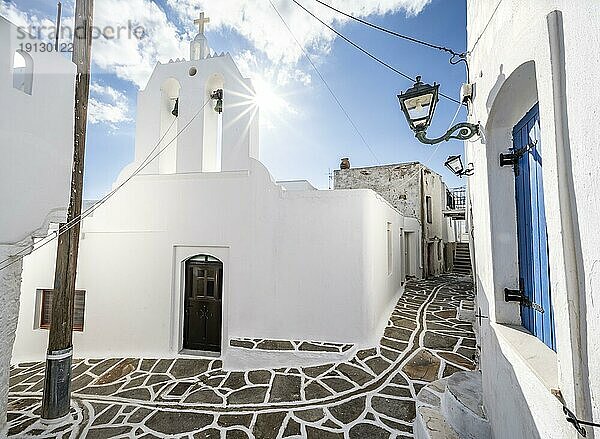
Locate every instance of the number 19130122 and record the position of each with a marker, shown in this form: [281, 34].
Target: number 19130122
[46, 47]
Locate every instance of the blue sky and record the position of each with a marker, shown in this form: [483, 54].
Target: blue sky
[303, 131]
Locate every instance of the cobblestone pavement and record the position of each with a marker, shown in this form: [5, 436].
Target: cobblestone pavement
[372, 395]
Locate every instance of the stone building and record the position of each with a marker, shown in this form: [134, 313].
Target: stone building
[415, 191]
[36, 151]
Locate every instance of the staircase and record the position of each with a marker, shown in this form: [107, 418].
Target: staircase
[452, 408]
[462, 259]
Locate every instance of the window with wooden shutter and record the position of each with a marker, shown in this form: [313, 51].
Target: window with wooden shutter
[78, 310]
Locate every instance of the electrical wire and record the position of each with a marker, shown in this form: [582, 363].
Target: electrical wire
[65, 228]
[366, 52]
[391, 32]
[326, 85]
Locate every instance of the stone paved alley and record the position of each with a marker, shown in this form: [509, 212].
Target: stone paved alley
[370, 396]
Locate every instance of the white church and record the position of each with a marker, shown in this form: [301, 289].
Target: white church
[202, 252]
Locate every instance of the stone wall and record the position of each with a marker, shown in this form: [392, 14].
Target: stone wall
[406, 186]
[10, 287]
[399, 184]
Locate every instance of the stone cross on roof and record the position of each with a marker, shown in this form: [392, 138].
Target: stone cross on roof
[201, 21]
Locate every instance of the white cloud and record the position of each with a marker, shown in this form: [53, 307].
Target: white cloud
[276, 54]
[108, 106]
[258, 22]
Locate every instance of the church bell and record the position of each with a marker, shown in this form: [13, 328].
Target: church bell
[218, 96]
[175, 111]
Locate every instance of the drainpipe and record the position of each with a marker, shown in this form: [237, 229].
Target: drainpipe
[425, 250]
[570, 228]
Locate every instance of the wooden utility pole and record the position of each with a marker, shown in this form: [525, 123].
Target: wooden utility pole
[57, 383]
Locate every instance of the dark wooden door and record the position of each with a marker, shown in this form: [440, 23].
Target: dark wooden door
[203, 304]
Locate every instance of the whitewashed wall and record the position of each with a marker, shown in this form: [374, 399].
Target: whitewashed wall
[36, 144]
[513, 68]
[308, 265]
[36, 140]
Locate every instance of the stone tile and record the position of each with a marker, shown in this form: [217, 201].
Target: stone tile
[267, 425]
[103, 366]
[285, 388]
[378, 365]
[162, 366]
[401, 392]
[275, 345]
[139, 393]
[338, 384]
[259, 376]
[315, 371]
[118, 371]
[157, 378]
[235, 381]
[204, 396]
[106, 416]
[366, 353]
[20, 427]
[178, 422]
[186, 368]
[456, 359]
[315, 390]
[394, 408]
[236, 434]
[249, 395]
[306, 346]
[357, 375]
[363, 431]
[139, 415]
[350, 411]
[422, 366]
[210, 433]
[399, 334]
[107, 432]
[317, 433]
[234, 420]
[291, 429]
[80, 382]
[310, 415]
[101, 390]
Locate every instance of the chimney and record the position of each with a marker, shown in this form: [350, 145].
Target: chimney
[345, 163]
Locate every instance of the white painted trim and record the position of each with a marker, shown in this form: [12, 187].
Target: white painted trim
[517, 343]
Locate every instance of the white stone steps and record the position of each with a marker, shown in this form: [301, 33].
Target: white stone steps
[462, 406]
[452, 408]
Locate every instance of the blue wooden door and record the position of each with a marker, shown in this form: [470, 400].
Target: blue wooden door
[536, 313]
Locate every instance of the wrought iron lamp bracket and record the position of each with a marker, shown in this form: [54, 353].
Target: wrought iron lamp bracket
[463, 130]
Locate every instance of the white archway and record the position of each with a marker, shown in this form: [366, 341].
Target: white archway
[170, 107]
[23, 72]
[212, 142]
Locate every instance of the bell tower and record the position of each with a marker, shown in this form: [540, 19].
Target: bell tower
[200, 113]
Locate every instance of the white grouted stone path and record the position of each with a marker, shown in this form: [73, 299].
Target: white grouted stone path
[372, 395]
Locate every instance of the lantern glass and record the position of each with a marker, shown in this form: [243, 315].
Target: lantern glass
[418, 104]
[454, 163]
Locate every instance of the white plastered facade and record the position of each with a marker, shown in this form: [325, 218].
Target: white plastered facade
[298, 264]
[516, 60]
[36, 144]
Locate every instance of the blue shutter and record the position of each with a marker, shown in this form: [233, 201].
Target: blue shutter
[534, 271]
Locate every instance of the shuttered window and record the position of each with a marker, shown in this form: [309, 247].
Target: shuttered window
[78, 310]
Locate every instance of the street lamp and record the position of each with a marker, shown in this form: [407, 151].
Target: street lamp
[455, 164]
[418, 105]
